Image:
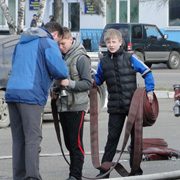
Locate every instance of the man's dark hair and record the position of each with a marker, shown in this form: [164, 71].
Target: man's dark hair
[54, 26]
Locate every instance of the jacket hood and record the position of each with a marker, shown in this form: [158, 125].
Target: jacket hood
[34, 33]
[76, 46]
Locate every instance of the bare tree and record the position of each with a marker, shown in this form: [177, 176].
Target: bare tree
[159, 2]
[58, 11]
[21, 16]
[98, 4]
[42, 5]
[10, 21]
[9, 18]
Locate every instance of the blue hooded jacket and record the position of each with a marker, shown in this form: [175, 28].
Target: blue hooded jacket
[36, 61]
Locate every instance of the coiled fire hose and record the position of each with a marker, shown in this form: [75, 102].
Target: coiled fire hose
[141, 113]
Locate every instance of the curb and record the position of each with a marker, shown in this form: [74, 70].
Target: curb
[157, 176]
[164, 94]
[159, 95]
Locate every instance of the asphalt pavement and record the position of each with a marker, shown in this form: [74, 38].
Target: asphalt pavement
[54, 167]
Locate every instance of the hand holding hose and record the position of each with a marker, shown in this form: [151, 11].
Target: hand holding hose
[150, 97]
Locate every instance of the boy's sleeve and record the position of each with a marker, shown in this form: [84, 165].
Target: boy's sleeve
[84, 70]
[99, 77]
[55, 64]
[145, 72]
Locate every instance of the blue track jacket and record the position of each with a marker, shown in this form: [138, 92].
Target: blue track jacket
[36, 61]
[138, 67]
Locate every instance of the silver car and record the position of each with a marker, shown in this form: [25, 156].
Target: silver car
[7, 45]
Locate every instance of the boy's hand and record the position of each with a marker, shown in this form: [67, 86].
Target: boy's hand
[52, 95]
[150, 98]
[64, 82]
[94, 82]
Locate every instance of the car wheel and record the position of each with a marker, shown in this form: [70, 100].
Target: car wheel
[174, 60]
[4, 114]
[87, 115]
[140, 55]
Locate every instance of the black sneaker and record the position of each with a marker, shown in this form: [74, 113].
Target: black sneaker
[101, 173]
[138, 172]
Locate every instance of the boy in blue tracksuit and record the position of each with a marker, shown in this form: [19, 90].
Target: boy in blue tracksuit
[36, 61]
[118, 68]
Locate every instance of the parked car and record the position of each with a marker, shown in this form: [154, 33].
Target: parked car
[7, 45]
[147, 42]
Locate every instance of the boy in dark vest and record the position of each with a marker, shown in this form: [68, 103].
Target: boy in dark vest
[72, 107]
[118, 68]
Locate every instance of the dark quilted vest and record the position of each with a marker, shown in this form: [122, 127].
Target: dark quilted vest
[120, 78]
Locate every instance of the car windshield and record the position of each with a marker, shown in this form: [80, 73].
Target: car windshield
[123, 29]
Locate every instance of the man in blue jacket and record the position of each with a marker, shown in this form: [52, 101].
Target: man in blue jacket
[36, 61]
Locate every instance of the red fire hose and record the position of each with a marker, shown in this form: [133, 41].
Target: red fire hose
[141, 113]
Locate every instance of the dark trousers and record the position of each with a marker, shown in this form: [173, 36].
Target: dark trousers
[72, 125]
[26, 124]
[115, 126]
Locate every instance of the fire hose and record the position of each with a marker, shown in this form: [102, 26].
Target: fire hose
[141, 113]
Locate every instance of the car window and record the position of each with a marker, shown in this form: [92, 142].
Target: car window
[136, 32]
[152, 32]
[123, 29]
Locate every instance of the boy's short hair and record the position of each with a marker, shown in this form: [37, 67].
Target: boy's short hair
[54, 26]
[67, 33]
[112, 33]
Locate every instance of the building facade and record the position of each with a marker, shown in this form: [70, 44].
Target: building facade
[85, 23]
